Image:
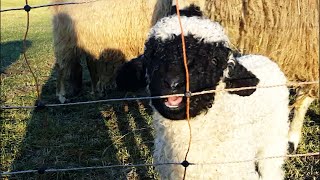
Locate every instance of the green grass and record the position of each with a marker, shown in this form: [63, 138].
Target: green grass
[84, 135]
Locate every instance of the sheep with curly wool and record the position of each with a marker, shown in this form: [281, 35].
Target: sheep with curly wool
[226, 126]
[288, 33]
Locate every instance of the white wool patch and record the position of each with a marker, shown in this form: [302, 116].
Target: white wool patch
[236, 128]
[199, 27]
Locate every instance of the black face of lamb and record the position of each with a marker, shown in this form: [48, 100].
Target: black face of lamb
[165, 68]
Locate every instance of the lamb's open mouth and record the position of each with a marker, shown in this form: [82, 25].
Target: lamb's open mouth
[173, 102]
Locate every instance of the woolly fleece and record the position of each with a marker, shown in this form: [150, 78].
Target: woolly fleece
[235, 129]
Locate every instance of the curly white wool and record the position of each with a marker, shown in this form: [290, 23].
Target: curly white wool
[200, 27]
[236, 128]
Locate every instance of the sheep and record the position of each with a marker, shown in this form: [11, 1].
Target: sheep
[287, 32]
[226, 126]
[106, 33]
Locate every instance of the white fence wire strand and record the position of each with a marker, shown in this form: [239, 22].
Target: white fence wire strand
[157, 97]
[43, 170]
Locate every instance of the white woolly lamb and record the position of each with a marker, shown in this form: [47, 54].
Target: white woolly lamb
[288, 33]
[245, 125]
[234, 129]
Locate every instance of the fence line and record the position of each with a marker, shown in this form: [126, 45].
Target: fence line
[156, 97]
[49, 5]
[43, 170]
[188, 94]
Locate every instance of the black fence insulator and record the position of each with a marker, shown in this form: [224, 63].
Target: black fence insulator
[27, 8]
[40, 105]
[185, 163]
[42, 170]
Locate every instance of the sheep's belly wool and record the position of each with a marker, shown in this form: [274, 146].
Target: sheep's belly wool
[235, 129]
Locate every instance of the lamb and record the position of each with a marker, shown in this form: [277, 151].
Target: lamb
[285, 32]
[106, 33]
[226, 126]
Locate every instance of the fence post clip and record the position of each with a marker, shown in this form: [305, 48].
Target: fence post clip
[27, 8]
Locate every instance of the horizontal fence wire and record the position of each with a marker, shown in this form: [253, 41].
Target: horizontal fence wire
[43, 170]
[48, 5]
[158, 97]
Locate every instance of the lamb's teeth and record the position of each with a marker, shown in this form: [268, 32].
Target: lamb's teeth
[171, 106]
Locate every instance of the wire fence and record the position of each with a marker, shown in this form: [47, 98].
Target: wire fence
[28, 8]
[41, 105]
[185, 163]
[44, 170]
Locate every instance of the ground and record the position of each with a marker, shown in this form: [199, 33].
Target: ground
[84, 135]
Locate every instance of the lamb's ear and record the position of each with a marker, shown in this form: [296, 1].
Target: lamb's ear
[132, 75]
[237, 76]
[192, 10]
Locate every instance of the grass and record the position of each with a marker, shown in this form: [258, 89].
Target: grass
[85, 135]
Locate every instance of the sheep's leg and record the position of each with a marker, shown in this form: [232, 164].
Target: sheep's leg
[69, 80]
[270, 164]
[92, 66]
[300, 109]
[60, 89]
[104, 73]
[271, 169]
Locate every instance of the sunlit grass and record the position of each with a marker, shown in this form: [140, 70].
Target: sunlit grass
[86, 135]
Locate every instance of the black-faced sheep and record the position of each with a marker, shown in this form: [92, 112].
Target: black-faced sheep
[226, 126]
[106, 33]
[287, 32]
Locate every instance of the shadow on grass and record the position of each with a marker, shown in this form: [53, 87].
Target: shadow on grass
[86, 135]
[83, 136]
[10, 52]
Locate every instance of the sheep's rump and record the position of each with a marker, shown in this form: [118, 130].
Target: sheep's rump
[285, 31]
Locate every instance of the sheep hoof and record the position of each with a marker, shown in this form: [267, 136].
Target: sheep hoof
[291, 148]
[62, 99]
[294, 139]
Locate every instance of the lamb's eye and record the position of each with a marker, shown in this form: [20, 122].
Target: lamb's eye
[214, 61]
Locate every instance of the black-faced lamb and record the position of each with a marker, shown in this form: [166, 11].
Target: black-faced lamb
[287, 32]
[245, 125]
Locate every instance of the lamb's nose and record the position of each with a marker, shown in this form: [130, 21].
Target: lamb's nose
[173, 84]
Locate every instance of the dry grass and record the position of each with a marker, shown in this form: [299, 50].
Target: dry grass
[86, 135]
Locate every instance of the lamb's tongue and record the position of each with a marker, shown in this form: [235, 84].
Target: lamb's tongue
[173, 101]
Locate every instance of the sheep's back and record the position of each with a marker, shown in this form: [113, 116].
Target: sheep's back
[285, 31]
[104, 25]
